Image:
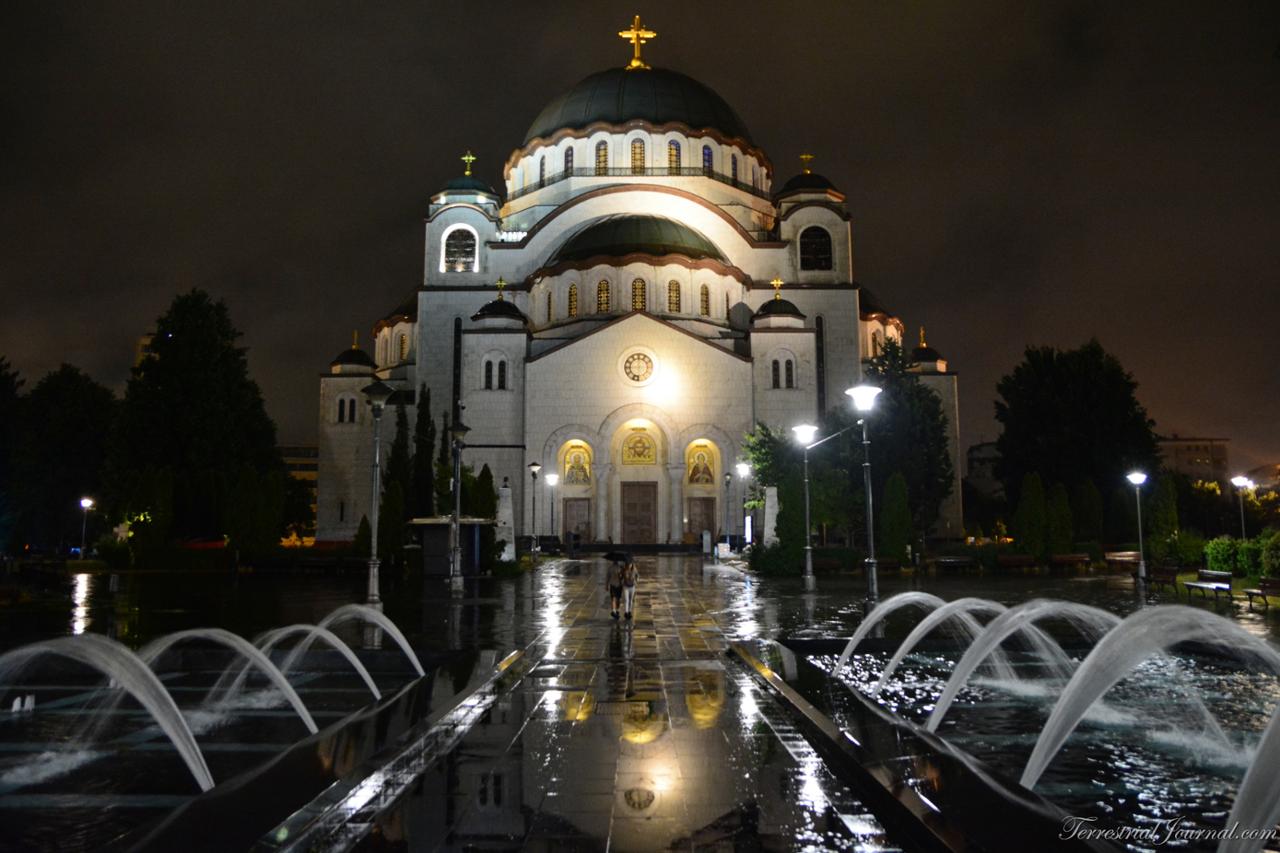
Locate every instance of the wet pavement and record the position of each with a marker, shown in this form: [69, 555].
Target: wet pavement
[641, 736]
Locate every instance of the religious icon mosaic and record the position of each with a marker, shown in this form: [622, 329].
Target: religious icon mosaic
[577, 466]
[639, 448]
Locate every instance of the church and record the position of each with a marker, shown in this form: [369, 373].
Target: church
[641, 293]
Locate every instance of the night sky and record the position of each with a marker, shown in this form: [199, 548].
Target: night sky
[1018, 173]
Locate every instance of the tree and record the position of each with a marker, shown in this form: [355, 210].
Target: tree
[192, 407]
[1059, 528]
[58, 454]
[364, 538]
[1029, 523]
[391, 523]
[10, 390]
[895, 519]
[1161, 516]
[1071, 416]
[444, 469]
[1086, 510]
[399, 462]
[422, 496]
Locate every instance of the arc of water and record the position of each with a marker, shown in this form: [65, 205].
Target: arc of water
[1137, 637]
[272, 638]
[347, 612]
[889, 605]
[1257, 804]
[120, 664]
[1003, 626]
[239, 644]
[960, 609]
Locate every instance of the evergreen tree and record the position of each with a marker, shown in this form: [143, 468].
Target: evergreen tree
[391, 524]
[422, 502]
[364, 539]
[1160, 510]
[1060, 531]
[1122, 521]
[895, 519]
[399, 463]
[1029, 524]
[1086, 510]
[484, 504]
[10, 389]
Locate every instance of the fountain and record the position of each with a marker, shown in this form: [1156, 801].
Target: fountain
[876, 616]
[271, 638]
[348, 612]
[958, 609]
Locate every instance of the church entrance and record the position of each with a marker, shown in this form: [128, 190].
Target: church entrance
[577, 518]
[702, 516]
[639, 513]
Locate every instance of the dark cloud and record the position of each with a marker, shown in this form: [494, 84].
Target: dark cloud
[1018, 173]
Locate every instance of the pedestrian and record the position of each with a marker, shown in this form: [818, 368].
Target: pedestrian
[614, 580]
[629, 576]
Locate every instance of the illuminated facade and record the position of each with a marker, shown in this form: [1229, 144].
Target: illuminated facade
[637, 297]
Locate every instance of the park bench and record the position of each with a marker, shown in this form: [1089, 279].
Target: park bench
[1208, 581]
[954, 562]
[1158, 576]
[1015, 561]
[1117, 560]
[1077, 560]
[1266, 586]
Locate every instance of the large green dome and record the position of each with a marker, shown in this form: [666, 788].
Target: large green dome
[626, 233]
[655, 95]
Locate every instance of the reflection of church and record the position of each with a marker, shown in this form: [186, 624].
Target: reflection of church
[639, 296]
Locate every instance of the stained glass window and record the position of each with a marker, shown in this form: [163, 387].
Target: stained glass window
[573, 300]
[460, 251]
[637, 156]
[704, 301]
[673, 297]
[602, 158]
[602, 298]
[673, 157]
[638, 295]
[706, 158]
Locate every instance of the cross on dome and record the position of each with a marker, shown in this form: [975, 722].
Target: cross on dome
[805, 159]
[777, 288]
[637, 35]
[468, 158]
[355, 339]
[922, 343]
[501, 284]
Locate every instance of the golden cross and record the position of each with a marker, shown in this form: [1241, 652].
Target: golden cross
[805, 159]
[468, 158]
[637, 35]
[922, 343]
[355, 339]
[777, 288]
[501, 283]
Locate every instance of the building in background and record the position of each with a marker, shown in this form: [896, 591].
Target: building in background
[302, 461]
[1197, 458]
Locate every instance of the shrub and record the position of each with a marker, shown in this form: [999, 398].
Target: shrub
[895, 519]
[115, 553]
[1189, 547]
[1220, 554]
[1269, 558]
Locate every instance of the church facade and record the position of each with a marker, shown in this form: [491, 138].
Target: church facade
[640, 294]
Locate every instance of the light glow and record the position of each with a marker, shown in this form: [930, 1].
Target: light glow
[804, 433]
[744, 470]
[553, 480]
[864, 396]
[1136, 477]
[1241, 482]
[86, 503]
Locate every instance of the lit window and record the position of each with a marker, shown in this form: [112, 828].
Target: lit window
[602, 298]
[673, 157]
[638, 295]
[637, 156]
[815, 249]
[488, 375]
[404, 347]
[602, 158]
[573, 300]
[775, 374]
[733, 167]
[673, 297]
[706, 159]
[791, 373]
[460, 251]
[704, 301]
[568, 160]
[502, 375]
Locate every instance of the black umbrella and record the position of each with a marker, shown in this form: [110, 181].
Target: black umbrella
[618, 556]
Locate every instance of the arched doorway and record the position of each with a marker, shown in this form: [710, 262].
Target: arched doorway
[576, 464]
[703, 467]
[640, 453]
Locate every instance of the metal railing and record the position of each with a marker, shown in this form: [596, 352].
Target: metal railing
[648, 171]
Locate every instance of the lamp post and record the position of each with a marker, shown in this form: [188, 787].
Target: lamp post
[728, 481]
[1241, 483]
[376, 395]
[458, 432]
[1137, 478]
[864, 400]
[744, 471]
[553, 480]
[534, 468]
[804, 434]
[87, 503]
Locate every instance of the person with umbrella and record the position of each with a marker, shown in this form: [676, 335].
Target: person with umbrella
[613, 578]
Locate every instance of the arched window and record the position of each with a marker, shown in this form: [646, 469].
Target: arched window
[673, 157]
[342, 411]
[488, 375]
[404, 347]
[673, 297]
[755, 176]
[602, 158]
[568, 160]
[775, 374]
[815, 248]
[459, 251]
[639, 294]
[706, 159]
[549, 317]
[502, 375]
[602, 298]
[573, 300]
[351, 411]
[733, 167]
[790, 373]
[704, 301]
[542, 170]
[637, 156]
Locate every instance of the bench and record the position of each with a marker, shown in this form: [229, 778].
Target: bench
[1121, 559]
[1209, 581]
[1158, 576]
[1079, 560]
[1015, 561]
[1266, 586]
[954, 562]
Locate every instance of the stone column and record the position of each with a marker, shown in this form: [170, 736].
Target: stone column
[769, 535]
[675, 476]
[601, 474]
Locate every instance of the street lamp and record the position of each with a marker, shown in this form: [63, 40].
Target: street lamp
[804, 434]
[553, 480]
[1241, 483]
[864, 400]
[87, 503]
[744, 471]
[1137, 478]
[534, 468]
[458, 432]
[377, 395]
[728, 481]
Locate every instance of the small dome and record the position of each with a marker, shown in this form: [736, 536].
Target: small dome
[810, 182]
[499, 309]
[923, 354]
[655, 95]
[779, 308]
[355, 357]
[625, 233]
[467, 184]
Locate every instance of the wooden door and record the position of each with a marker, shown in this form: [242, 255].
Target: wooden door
[577, 518]
[702, 516]
[639, 513]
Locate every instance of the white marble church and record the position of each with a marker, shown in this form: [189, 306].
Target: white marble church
[638, 296]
